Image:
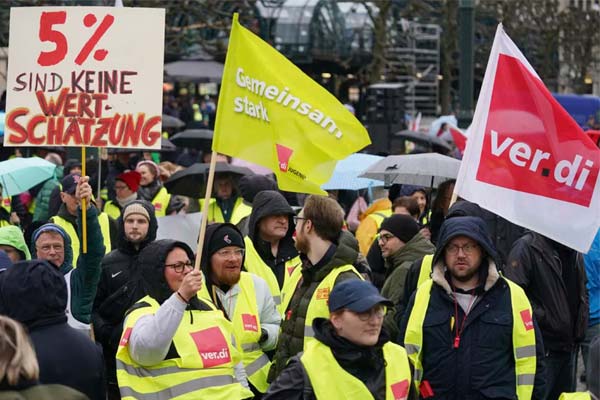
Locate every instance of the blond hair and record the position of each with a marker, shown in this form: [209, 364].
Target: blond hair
[17, 357]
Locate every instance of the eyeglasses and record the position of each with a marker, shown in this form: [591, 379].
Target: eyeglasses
[296, 218]
[384, 237]
[120, 187]
[49, 247]
[237, 253]
[378, 311]
[180, 266]
[468, 249]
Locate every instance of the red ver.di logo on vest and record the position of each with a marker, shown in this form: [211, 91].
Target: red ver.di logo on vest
[250, 323]
[212, 347]
[400, 390]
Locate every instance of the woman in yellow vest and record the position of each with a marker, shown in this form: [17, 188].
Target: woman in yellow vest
[175, 344]
[151, 189]
[126, 187]
[352, 356]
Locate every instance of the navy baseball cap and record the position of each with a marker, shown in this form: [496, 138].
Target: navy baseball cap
[69, 183]
[355, 295]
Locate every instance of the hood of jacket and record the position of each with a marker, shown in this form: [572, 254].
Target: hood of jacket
[12, 236]
[415, 248]
[33, 293]
[151, 262]
[125, 245]
[67, 264]
[269, 202]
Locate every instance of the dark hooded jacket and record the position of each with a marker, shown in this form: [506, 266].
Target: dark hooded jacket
[35, 294]
[554, 278]
[266, 203]
[119, 288]
[364, 363]
[291, 338]
[483, 365]
[84, 279]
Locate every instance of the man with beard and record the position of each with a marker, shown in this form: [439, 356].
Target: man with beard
[469, 332]
[270, 251]
[245, 300]
[326, 261]
[119, 286]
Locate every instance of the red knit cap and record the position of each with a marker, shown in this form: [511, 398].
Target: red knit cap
[131, 178]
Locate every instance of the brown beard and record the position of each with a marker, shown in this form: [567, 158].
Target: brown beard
[228, 279]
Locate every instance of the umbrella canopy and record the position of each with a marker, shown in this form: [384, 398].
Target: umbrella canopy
[345, 175]
[166, 145]
[194, 138]
[427, 169]
[433, 144]
[191, 181]
[169, 121]
[20, 174]
[2, 115]
[194, 71]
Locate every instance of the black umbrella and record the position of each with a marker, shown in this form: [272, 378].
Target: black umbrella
[191, 181]
[166, 145]
[432, 144]
[195, 138]
[168, 121]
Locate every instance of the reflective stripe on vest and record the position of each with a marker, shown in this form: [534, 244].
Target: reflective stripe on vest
[425, 270]
[378, 217]
[523, 337]
[112, 210]
[247, 330]
[255, 264]
[317, 308]
[575, 396]
[75, 245]
[204, 368]
[240, 211]
[161, 202]
[330, 381]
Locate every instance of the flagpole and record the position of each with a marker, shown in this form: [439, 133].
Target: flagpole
[203, 221]
[83, 208]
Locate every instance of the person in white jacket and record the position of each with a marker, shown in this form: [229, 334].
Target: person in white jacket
[244, 298]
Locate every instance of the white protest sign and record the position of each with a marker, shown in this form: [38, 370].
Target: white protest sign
[85, 76]
[182, 227]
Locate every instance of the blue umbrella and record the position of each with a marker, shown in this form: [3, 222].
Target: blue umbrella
[20, 174]
[345, 175]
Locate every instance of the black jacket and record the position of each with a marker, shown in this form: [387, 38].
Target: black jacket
[365, 363]
[483, 365]
[553, 276]
[35, 294]
[119, 288]
[266, 203]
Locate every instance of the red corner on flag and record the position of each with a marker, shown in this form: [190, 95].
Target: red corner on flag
[460, 139]
[531, 144]
[283, 156]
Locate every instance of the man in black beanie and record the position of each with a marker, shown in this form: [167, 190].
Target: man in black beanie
[244, 298]
[401, 244]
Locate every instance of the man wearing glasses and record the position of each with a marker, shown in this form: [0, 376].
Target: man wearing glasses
[244, 298]
[352, 356]
[326, 261]
[469, 332]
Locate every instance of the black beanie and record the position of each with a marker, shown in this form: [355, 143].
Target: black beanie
[402, 226]
[225, 235]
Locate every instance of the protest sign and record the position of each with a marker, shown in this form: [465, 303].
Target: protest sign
[272, 114]
[85, 76]
[527, 160]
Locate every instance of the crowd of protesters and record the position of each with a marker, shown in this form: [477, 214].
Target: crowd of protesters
[394, 293]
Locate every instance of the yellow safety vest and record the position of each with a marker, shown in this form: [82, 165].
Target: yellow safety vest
[240, 211]
[575, 396]
[426, 268]
[70, 229]
[203, 370]
[330, 381]
[4, 223]
[161, 202]
[246, 327]
[255, 264]
[378, 217]
[318, 306]
[111, 209]
[523, 337]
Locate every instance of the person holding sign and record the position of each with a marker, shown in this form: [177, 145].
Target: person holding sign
[175, 343]
[52, 243]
